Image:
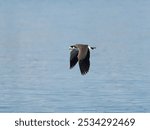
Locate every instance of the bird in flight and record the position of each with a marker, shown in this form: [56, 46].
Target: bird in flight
[80, 53]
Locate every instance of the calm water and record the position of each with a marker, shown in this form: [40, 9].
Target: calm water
[34, 56]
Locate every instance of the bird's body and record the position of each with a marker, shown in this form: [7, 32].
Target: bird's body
[80, 53]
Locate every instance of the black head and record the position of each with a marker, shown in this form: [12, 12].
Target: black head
[72, 47]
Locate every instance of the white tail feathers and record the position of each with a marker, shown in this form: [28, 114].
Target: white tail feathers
[91, 48]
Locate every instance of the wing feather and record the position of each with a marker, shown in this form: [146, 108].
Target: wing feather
[85, 64]
[73, 58]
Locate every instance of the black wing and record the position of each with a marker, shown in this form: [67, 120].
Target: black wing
[73, 58]
[85, 64]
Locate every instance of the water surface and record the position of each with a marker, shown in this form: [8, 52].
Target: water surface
[34, 56]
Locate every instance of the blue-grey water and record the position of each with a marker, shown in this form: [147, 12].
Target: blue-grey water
[34, 57]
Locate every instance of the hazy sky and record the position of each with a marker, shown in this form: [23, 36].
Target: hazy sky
[67, 21]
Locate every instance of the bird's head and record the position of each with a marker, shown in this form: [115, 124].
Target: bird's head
[72, 47]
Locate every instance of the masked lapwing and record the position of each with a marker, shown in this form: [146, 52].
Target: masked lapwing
[80, 53]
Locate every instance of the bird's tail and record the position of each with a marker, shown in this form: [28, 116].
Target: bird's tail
[93, 48]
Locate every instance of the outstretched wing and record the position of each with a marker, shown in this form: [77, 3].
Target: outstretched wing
[73, 58]
[85, 64]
